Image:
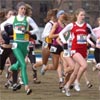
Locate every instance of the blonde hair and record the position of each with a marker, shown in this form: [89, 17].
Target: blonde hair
[51, 13]
[65, 18]
[73, 17]
[28, 9]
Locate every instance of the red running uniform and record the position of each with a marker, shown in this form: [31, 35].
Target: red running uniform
[79, 42]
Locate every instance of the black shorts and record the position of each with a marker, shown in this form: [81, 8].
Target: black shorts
[3, 56]
[56, 49]
[12, 58]
[31, 55]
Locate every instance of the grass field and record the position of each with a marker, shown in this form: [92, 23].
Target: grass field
[48, 89]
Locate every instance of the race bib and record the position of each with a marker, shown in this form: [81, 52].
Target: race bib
[69, 44]
[66, 53]
[81, 39]
[14, 45]
[33, 53]
[45, 45]
[53, 49]
[1, 51]
[73, 52]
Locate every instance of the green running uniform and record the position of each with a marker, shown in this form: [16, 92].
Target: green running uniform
[20, 46]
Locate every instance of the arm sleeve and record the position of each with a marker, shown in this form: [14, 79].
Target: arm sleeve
[91, 32]
[35, 28]
[65, 31]
[91, 38]
[47, 30]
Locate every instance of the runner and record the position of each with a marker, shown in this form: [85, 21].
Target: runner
[55, 48]
[50, 19]
[96, 45]
[21, 40]
[31, 54]
[79, 34]
[8, 32]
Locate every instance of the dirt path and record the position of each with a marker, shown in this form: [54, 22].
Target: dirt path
[48, 89]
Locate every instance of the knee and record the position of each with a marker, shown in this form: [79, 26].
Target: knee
[72, 68]
[84, 66]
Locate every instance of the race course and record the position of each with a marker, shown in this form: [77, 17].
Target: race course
[49, 88]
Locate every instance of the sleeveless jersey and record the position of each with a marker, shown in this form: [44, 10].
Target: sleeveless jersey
[97, 32]
[79, 35]
[79, 42]
[20, 25]
[58, 29]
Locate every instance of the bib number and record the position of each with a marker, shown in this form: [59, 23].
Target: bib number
[73, 52]
[81, 39]
[14, 45]
[66, 53]
[1, 50]
[33, 53]
[53, 49]
[45, 45]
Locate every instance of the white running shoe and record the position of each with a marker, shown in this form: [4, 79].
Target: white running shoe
[77, 87]
[43, 70]
[98, 66]
[67, 93]
[63, 90]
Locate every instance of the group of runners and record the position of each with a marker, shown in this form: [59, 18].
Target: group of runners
[66, 38]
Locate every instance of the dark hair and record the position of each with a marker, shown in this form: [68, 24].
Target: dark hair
[14, 11]
[5, 12]
[2, 14]
[20, 4]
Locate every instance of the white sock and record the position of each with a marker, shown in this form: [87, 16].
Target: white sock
[43, 65]
[87, 82]
[34, 68]
[61, 79]
[76, 82]
[66, 86]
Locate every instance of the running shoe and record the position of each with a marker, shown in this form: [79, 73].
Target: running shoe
[43, 70]
[61, 84]
[63, 90]
[71, 86]
[9, 84]
[66, 91]
[98, 66]
[89, 85]
[36, 81]
[29, 91]
[16, 86]
[77, 87]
